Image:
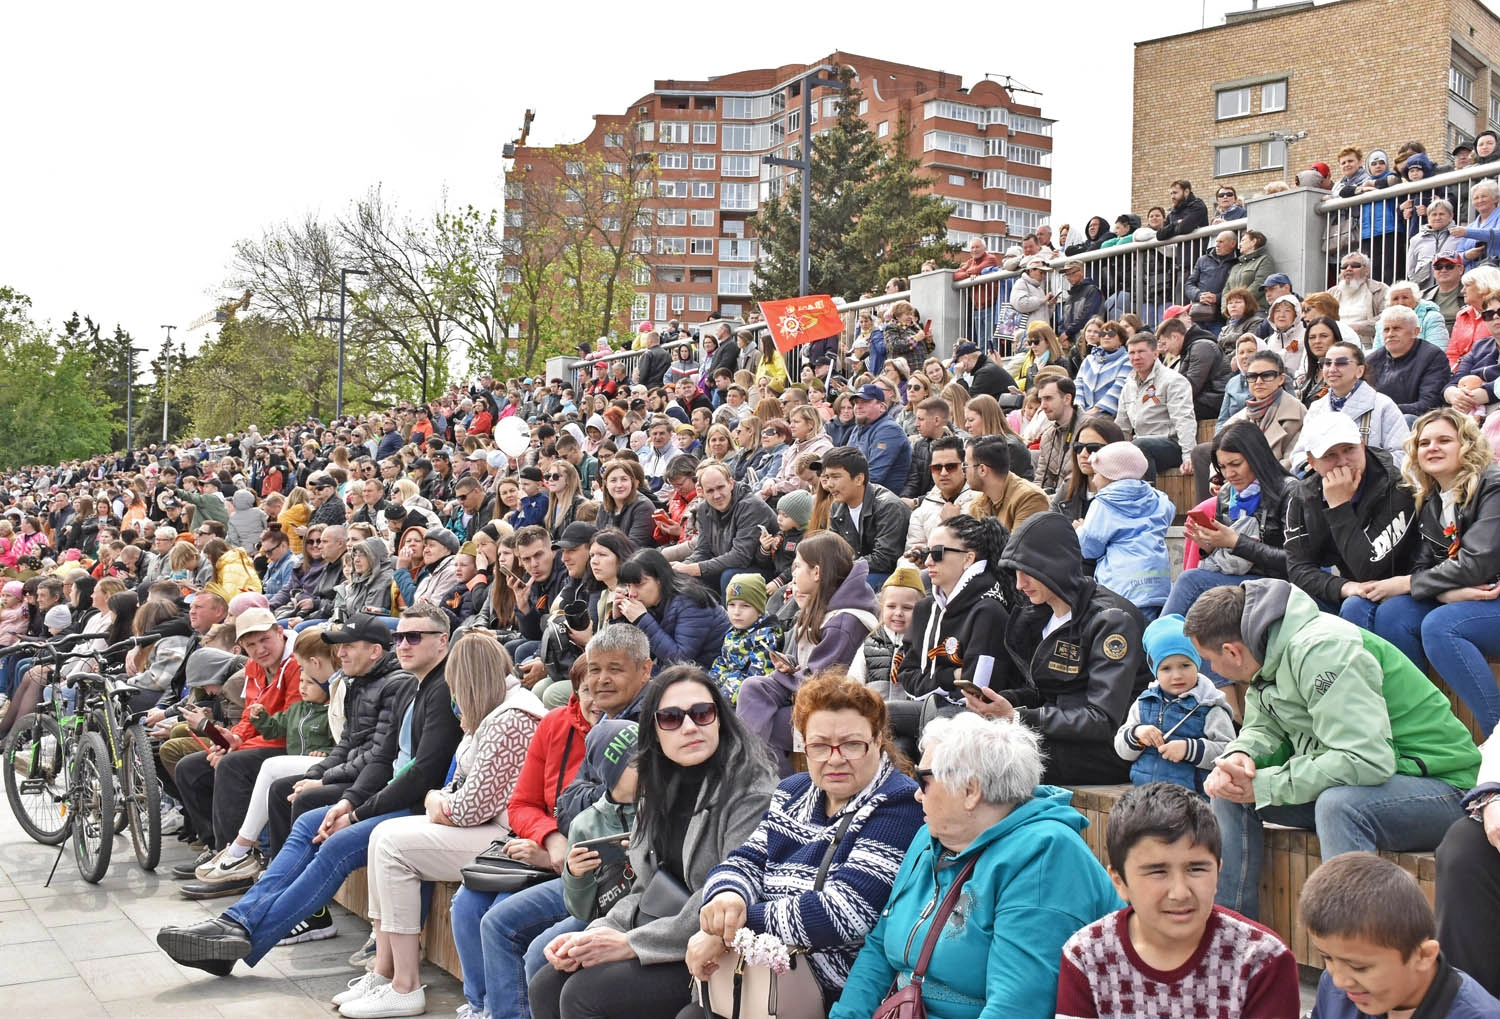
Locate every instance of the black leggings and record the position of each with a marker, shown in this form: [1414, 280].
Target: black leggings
[1468, 902]
[614, 990]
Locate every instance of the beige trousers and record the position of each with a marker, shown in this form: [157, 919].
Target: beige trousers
[404, 852]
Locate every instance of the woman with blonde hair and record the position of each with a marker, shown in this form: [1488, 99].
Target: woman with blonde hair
[808, 439]
[294, 516]
[1446, 611]
[936, 372]
[564, 494]
[771, 366]
[1042, 348]
[957, 398]
[983, 416]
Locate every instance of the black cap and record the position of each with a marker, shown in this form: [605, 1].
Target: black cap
[966, 347]
[359, 626]
[421, 464]
[531, 474]
[579, 532]
[1462, 147]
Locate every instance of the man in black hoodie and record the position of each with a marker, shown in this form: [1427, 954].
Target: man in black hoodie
[1077, 647]
[1188, 212]
[327, 845]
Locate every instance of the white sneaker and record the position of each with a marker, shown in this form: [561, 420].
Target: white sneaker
[359, 987]
[172, 820]
[385, 1001]
[223, 867]
[467, 1011]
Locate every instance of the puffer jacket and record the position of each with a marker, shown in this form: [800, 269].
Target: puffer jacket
[730, 541]
[684, 631]
[246, 522]
[879, 652]
[371, 706]
[1125, 533]
[234, 574]
[959, 636]
[746, 653]
[1029, 298]
[1470, 555]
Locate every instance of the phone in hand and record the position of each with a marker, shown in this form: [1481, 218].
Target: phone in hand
[611, 848]
[1200, 518]
[520, 576]
[964, 686]
[661, 517]
[783, 663]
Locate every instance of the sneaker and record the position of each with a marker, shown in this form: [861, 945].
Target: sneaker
[467, 1011]
[224, 868]
[171, 820]
[318, 927]
[188, 871]
[384, 1001]
[364, 956]
[359, 987]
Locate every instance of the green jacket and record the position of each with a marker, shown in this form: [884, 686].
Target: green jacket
[604, 817]
[208, 506]
[1336, 705]
[304, 726]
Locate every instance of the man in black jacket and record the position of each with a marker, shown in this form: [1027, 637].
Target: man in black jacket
[981, 374]
[870, 517]
[1199, 361]
[1188, 212]
[536, 555]
[726, 354]
[1352, 514]
[653, 364]
[327, 845]
[1411, 371]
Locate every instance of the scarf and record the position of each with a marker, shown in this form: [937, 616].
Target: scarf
[1242, 504]
[1259, 411]
[1336, 402]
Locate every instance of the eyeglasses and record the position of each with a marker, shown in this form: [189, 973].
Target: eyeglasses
[670, 719]
[945, 468]
[1087, 447]
[1268, 376]
[1490, 314]
[552, 477]
[1226, 194]
[849, 750]
[313, 541]
[936, 552]
[1336, 362]
[413, 637]
[924, 777]
[1036, 342]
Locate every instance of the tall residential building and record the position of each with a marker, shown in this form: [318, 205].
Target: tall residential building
[1215, 105]
[989, 155]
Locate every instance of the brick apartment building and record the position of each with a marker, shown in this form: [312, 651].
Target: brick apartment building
[1213, 105]
[989, 155]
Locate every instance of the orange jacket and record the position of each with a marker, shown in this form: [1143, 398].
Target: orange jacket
[275, 694]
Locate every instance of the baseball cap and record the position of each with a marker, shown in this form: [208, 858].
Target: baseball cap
[1462, 147]
[1324, 431]
[475, 456]
[361, 626]
[1278, 279]
[1174, 311]
[859, 342]
[579, 532]
[1447, 260]
[253, 621]
[966, 347]
[870, 391]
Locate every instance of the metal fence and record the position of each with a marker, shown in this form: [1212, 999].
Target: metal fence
[1143, 278]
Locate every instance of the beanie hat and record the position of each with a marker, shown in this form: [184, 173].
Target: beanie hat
[797, 505]
[58, 618]
[245, 601]
[749, 588]
[906, 575]
[14, 588]
[1119, 461]
[1164, 638]
[468, 548]
[609, 748]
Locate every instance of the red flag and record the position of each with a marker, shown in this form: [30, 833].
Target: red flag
[800, 320]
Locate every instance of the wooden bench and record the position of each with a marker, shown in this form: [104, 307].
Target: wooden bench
[437, 933]
[1179, 487]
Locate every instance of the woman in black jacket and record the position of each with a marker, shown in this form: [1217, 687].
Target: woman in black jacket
[626, 506]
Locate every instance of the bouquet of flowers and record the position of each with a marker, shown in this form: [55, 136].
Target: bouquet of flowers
[762, 950]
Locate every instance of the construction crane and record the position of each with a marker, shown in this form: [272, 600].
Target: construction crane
[225, 312]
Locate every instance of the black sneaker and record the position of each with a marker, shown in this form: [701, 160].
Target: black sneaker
[318, 927]
[188, 871]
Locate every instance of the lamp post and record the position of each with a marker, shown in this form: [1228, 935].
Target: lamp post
[338, 396]
[804, 164]
[1287, 141]
[166, 379]
[130, 396]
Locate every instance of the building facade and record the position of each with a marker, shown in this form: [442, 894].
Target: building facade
[1216, 105]
[989, 155]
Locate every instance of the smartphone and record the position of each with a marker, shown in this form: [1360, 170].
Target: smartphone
[1201, 518]
[964, 686]
[208, 729]
[661, 518]
[783, 663]
[611, 848]
[521, 576]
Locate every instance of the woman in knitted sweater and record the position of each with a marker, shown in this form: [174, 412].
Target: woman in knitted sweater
[499, 720]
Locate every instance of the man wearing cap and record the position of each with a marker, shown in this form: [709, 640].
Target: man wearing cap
[207, 502]
[1156, 405]
[729, 528]
[328, 508]
[215, 784]
[879, 436]
[1083, 302]
[1447, 290]
[1352, 520]
[981, 375]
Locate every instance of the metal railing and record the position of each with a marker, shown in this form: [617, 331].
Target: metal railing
[1381, 224]
[1143, 278]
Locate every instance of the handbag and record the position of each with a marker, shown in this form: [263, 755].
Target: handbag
[663, 896]
[755, 992]
[492, 871]
[907, 1003]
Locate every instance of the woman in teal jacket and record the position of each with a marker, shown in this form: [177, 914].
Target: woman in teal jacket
[1034, 881]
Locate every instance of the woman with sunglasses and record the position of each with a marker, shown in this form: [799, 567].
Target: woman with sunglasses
[1094, 433]
[1042, 348]
[564, 495]
[854, 808]
[918, 388]
[683, 620]
[805, 426]
[766, 461]
[1102, 373]
[1380, 421]
[1478, 363]
[958, 631]
[1269, 406]
[747, 445]
[703, 784]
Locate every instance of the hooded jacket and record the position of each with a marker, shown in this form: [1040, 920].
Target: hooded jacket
[730, 541]
[303, 725]
[1029, 298]
[370, 712]
[234, 573]
[1035, 882]
[1076, 683]
[1100, 379]
[1201, 717]
[369, 592]
[1289, 342]
[1334, 705]
[1125, 533]
[246, 522]
[1082, 303]
[1380, 217]
[959, 636]
[880, 539]
[1372, 537]
[1439, 566]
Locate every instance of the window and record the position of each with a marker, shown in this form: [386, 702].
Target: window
[740, 197]
[1023, 221]
[573, 168]
[734, 228]
[1273, 97]
[670, 274]
[701, 302]
[641, 275]
[1461, 83]
[965, 112]
[510, 275]
[994, 147]
[614, 140]
[994, 212]
[645, 131]
[671, 246]
[678, 303]
[734, 281]
[515, 218]
[673, 132]
[701, 162]
[643, 188]
[705, 134]
[794, 121]
[739, 109]
[1232, 102]
[1030, 125]
[739, 166]
[883, 129]
[1029, 186]
[671, 217]
[672, 160]
[958, 180]
[672, 189]
[813, 109]
[617, 169]
[947, 141]
[701, 217]
[661, 305]
[610, 196]
[966, 210]
[703, 189]
[610, 224]
[743, 137]
[864, 107]
[995, 179]
[1231, 159]
[640, 245]
[1494, 111]
[640, 307]
[574, 222]
[1272, 154]
[514, 192]
[701, 245]
[738, 251]
[643, 217]
[960, 238]
[1028, 154]
[572, 196]
[830, 106]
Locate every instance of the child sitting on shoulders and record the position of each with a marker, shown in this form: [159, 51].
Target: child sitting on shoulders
[1171, 951]
[898, 600]
[1181, 723]
[754, 635]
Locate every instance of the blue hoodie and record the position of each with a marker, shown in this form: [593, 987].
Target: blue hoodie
[1100, 378]
[1035, 883]
[1125, 532]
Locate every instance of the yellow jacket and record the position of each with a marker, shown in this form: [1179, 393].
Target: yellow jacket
[234, 574]
[292, 518]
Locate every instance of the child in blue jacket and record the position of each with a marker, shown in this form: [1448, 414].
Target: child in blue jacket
[747, 647]
[1125, 530]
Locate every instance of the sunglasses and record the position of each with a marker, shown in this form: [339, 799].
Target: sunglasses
[1353, 265]
[1088, 447]
[552, 477]
[945, 468]
[1226, 194]
[413, 637]
[1490, 314]
[1270, 376]
[936, 552]
[670, 719]
[1337, 362]
[1036, 343]
[924, 777]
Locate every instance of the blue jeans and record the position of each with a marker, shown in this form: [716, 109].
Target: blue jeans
[1406, 814]
[1398, 620]
[493, 934]
[301, 880]
[1186, 589]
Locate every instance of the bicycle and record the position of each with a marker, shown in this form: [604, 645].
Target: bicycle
[37, 761]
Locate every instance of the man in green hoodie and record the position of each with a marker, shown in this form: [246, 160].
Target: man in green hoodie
[1342, 734]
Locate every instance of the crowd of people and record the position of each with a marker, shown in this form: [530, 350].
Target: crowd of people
[714, 649]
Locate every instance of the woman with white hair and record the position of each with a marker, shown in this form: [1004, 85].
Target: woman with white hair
[1482, 236]
[1431, 326]
[1028, 881]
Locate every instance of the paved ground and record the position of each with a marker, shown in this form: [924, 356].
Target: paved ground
[78, 951]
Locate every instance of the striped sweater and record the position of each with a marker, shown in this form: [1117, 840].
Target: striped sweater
[775, 869]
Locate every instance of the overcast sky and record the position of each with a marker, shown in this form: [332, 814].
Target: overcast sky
[143, 140]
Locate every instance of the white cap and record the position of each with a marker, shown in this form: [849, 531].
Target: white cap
[1329, 429]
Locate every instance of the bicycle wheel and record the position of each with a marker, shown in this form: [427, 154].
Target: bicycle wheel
[99, 721]
[36, 784]
[93, 803]
[142, 796]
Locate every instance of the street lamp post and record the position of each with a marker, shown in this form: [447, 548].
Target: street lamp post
[166, 379]
[130, 396]
[804, 164]
[338, 397]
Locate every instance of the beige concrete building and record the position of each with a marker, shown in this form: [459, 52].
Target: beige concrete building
[1216, 105]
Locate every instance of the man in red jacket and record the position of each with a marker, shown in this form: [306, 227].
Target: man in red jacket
[982, 299]
[215, 784]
